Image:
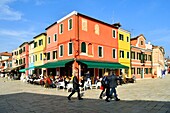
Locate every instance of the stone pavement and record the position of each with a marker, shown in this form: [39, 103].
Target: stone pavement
[144, 96]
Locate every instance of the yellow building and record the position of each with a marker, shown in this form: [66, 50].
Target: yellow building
[39, 47]
[124, 51]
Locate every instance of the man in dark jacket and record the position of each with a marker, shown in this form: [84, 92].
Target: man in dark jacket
[113, 84]
[75, 87]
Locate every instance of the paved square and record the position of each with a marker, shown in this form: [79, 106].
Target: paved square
[145, 96]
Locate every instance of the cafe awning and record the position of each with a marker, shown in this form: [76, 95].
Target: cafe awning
[32, 67]
[60, 63]
[98, 64]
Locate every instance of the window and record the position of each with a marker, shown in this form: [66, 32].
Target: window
[48, 40]
[84, 24]
[61, 28]
[35, 44]
[70, 24]
[138, 71]
[83, 47]
[20, 51]
[54, 54]
[96, 29]
[150, 70]
[61, 50]
[142, 58]
[127, 39]
[121, 54]
[138, 56]
[100, 51]
[146, 57]
[40, 42]
[55, 37]
[141, 42]
[24, 60]
[70, 48]
[23, 49]
[149, 58]
[113, 33]
[146, 70]
[120, 37]
[113, 53]
[128, 55]
[40, 56]
[133, 55]
[48, 56]
[35, 57]
[133, 70]
[90, 51]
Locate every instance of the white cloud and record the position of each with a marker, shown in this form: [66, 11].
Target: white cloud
[7, 13]
[18, 35]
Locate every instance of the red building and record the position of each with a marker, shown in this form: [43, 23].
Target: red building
[77, 41]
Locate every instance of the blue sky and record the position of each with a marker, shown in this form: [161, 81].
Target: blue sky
[21, 20]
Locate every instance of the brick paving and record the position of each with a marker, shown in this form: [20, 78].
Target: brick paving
[144, 96]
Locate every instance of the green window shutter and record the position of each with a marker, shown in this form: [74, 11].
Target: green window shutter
[100, 51]
[70, 24]
[70, 48]
[61, 50]
[114, 53]
[40, 56]
[53, 54]
[113, 33]
[127, 54]
[48, 56]
[83, 47]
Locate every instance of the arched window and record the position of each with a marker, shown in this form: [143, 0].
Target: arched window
[83, 47]
[89, 49]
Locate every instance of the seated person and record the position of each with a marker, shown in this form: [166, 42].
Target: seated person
[82, 81]
[66, 81]
[48, 82]
[96, 79]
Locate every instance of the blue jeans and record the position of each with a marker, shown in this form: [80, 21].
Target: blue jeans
[113, 90]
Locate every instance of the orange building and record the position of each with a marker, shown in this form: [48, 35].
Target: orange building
[141, 57]
[77, 41]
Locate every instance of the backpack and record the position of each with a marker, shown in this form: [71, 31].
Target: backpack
[105, 81]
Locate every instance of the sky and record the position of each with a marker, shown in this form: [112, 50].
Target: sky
[21, 20]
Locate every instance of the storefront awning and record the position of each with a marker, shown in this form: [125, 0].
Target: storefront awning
[32, 67]
[109, 65]
[60, 63]
[22, 70]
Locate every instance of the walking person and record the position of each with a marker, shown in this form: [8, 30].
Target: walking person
[113, 84]
[105, 85]
[75, 87]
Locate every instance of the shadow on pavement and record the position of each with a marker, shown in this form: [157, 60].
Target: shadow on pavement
[41, 103]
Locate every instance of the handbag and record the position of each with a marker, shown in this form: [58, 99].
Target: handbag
[101, 87]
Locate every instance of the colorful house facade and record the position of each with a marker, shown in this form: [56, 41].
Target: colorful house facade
[158, 60]
[20, 58]
[5, 63]
[31, 58]
[124, 52]
[141, 57]
[39, 47]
